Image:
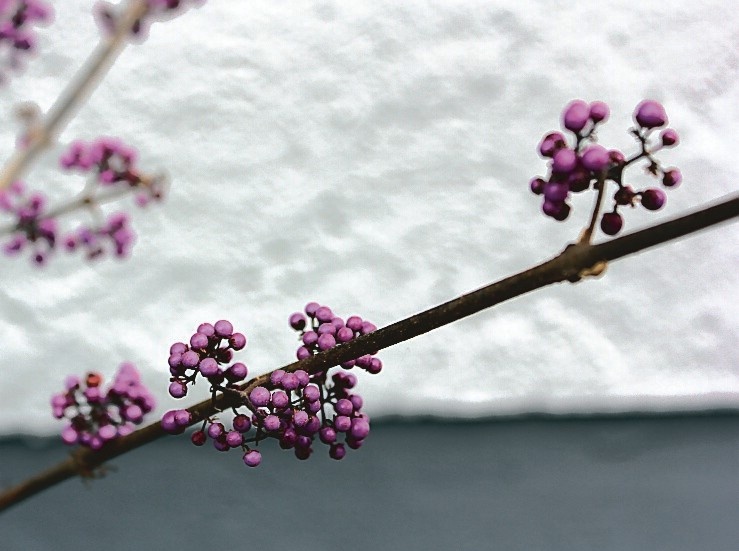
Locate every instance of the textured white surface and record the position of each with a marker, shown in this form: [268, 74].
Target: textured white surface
[375, 157]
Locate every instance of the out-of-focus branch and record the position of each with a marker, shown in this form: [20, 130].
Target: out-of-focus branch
[80, 87]
[574, 263]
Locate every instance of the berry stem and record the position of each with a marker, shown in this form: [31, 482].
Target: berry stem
[566, 266]
[79, 88]
[587, 233]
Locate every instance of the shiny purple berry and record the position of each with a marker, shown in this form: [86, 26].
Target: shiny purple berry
[599, 111]
[672, 178]
[596, 158]
[669, 137]
[297, 321]
[259, 396]
[650, 114]
[611, 223]
[653, 199]
[223, 328]
[252, 458]
[564, 160]
[575, 116]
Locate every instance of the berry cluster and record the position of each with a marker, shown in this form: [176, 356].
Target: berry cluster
[210, 346]
[32, 228]
[112, 165]
[327, 331]
[106, 15]
[115, 230]
[17, 35]
[96, 416]
[295, 408]
[588, 165]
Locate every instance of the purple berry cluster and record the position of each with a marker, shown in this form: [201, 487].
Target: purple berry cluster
[327, 331]
[211, 346]
[588, 165]
[17, 34]
[113, 168]
[32, 228]
[97, 416]
[112, 163]
[106, 15]
[295, 408]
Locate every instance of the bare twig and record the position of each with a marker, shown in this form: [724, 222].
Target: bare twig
[572, 264]
[79, 88]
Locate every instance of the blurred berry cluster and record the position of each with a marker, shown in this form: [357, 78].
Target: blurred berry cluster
[295, 408]
[588, 165]
[113, 173]
[107, 14]
[97, 416]
[17, 35]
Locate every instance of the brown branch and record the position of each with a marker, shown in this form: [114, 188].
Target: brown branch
[79, 88]
[572, 264]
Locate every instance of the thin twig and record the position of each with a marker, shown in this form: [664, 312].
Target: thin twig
[79, 88]
[570, 265]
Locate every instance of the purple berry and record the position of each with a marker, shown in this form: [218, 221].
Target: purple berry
[252, 458]
[650, 114]
[177, 389]
[669, 137]
[551, 143]
[223, 328]
[237, 341]
[337, 451]
[344, 407]
[611, 223]
[206, 329]
[360, 429]
[556, 192]
[190, 359]
[169, 424]
[297, 321]
[311, 308]
[575, 116]
[242, 423]
[302, 376]
[271, 423]
[672, 178]
[198, 340]
[290, 381]
[276, 376]
[237, 372]
[653, 199]
[599, 111]
[178, 348]
[216, 429]
[300, 418]
[280, 399]
[310, 338]
[324, 314]
[234, 439]
[354, 323]
[327, 435]
[326, 341]
[198, 438]
[537, 185]
[209, 367]
[303, 353]
[596, 158]
[260, 396]
[565, 160]
[311, 393]
[342, 423]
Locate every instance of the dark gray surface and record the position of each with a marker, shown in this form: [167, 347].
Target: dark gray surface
[613, 484]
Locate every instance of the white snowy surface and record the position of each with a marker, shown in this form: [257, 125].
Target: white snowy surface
[375, 157]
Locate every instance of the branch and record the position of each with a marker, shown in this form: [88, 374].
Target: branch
[572, 264]
[79, 88]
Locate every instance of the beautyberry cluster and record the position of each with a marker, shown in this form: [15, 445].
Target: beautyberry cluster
[17, 35]
[113, 168]
[588, 165]
[107, 15]
[327, 331]
[294, 407]
[112, 163]
[97, 416]
[211, 346]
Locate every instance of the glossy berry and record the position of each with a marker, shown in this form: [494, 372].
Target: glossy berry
[672, 178]
[576, 115]
[650, 114]
[653, 199]
[611, 223]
